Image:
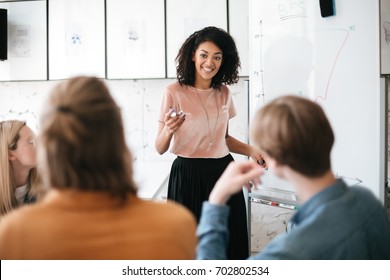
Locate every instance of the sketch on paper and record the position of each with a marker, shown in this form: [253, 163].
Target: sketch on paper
[386, 28]
[75, 40]
[19, 42]
[134, 37]
[385, 37]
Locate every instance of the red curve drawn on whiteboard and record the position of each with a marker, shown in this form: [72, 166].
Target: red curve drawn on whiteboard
[331, 72]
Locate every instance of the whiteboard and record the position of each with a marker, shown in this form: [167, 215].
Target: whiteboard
[27, 51]
[135, 39]
[335, 61]
[184, 17]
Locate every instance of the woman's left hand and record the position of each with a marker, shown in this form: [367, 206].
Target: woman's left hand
[258, 157]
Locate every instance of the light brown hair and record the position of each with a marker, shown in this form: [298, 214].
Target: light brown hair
[296, 132]
[82, 142]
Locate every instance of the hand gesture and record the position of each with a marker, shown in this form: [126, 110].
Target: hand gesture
[236, 176]
[173, 120]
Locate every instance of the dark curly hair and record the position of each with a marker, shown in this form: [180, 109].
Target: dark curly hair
[228, 72]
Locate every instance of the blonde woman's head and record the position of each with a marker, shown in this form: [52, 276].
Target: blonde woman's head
[18, 163]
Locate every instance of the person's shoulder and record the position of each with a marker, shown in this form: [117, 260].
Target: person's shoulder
[174, 206]
[224, 89]
[29, 212]
[163, 205]
[20, 216]
[365, 204]
[168, 208]
[363, 193]
[357, 191]
[179, 218]
[174, 86]
[360, 189]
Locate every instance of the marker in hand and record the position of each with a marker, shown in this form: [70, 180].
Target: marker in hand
[174, 114]
[262, 163]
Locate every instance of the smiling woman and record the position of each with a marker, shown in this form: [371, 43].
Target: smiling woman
[198, 134]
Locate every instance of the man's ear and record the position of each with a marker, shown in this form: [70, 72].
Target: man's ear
[271, 162]
[277, 168]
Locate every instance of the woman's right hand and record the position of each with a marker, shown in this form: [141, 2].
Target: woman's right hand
[166, 129]
[174, 121]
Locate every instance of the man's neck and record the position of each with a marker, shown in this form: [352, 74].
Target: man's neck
[307, 187]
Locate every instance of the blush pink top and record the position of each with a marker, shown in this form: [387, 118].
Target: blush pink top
[203, 132]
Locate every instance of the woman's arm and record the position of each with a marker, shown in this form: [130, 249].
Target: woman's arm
[238, 147]
[163, 138]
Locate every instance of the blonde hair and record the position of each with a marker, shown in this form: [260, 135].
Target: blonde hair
[9, 136]
[82, 142]
[295, 131]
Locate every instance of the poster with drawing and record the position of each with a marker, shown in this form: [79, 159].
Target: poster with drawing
[385, 37]
[76, 38]
[135, 39]
[20, 40]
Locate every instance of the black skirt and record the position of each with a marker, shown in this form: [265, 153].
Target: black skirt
[190, 183]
